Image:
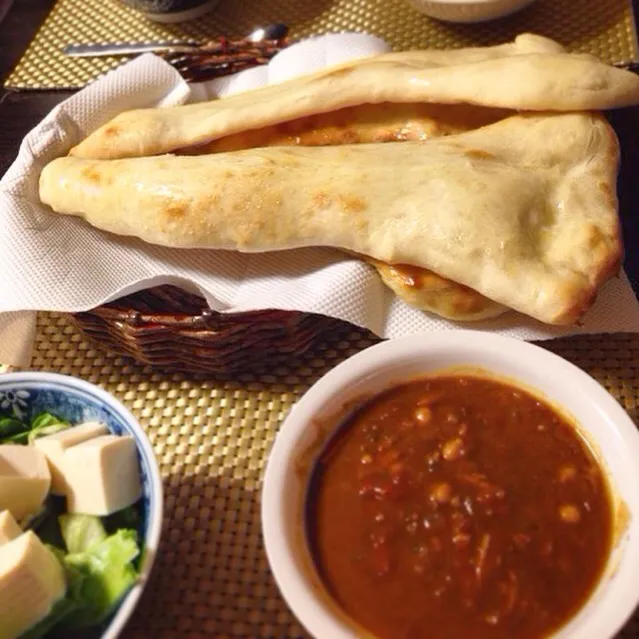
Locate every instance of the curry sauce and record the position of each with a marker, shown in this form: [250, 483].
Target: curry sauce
[458, 506]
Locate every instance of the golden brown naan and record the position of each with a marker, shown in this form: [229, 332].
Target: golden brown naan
[361, 124]
[387, 122]
[522, 211]
[429, 292]
[531, 73]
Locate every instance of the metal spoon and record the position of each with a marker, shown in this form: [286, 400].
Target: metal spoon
[224, 56]
[628, 65]
[275, 31]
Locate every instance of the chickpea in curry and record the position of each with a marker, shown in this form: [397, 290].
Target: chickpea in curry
[459, 506]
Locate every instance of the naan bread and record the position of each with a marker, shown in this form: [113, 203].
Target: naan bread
[523, 211]
[361, 124]
[387, 122]
[429, 292]
[532, 73]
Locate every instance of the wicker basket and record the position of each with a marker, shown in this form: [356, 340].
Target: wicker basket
[176, 331]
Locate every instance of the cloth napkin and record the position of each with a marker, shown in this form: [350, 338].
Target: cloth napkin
[59, 263]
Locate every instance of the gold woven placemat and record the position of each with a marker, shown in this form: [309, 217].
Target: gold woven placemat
[212, 438]
[601, 27]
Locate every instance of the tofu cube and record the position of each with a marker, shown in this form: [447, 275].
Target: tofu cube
[54, 446]
[24, 480]
[102, 475]
[9, 529]
[31, 581]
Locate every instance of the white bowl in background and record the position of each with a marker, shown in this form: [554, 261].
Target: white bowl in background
[468, 10]
[313, 420]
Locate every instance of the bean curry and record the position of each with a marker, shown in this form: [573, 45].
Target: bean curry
[459, 507]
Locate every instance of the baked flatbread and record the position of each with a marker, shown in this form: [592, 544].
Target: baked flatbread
[531, 73]
[522, 211]
[429, 292]
[387, 122]
[361, 124]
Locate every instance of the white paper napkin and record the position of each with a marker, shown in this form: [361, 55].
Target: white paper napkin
[59, 263]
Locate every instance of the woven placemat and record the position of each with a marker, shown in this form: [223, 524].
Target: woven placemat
[212, 437]
[601, 27]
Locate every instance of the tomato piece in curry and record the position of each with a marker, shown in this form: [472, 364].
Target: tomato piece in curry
[459, 507]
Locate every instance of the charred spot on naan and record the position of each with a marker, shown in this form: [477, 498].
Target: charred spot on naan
[343, 201]
[90, 174]
[606, 190]
[479, 154]
[176, 209]
[112, 131]
[361, 124]
[96, 178]
[351, 204]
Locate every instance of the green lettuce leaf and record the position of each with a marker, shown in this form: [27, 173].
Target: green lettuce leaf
[13, 431]
[127, 518]
[18, 438]
[99, 577]
[80, 532]
[46, 424]
[10, 428]
[45, 430]
[45, 419]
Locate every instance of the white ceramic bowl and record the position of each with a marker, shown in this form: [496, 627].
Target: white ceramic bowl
[314, 418]
[23, 395]
[468, 10]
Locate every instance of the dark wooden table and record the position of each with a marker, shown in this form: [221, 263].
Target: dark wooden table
[22, 110]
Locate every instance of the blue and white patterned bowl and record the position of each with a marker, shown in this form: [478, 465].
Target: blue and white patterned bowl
[24, 395]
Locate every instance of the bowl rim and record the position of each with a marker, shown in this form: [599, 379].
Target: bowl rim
[476, 3]
[155, 518]
[294, 582]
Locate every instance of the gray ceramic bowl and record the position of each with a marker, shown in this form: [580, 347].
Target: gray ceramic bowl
[171, 10]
